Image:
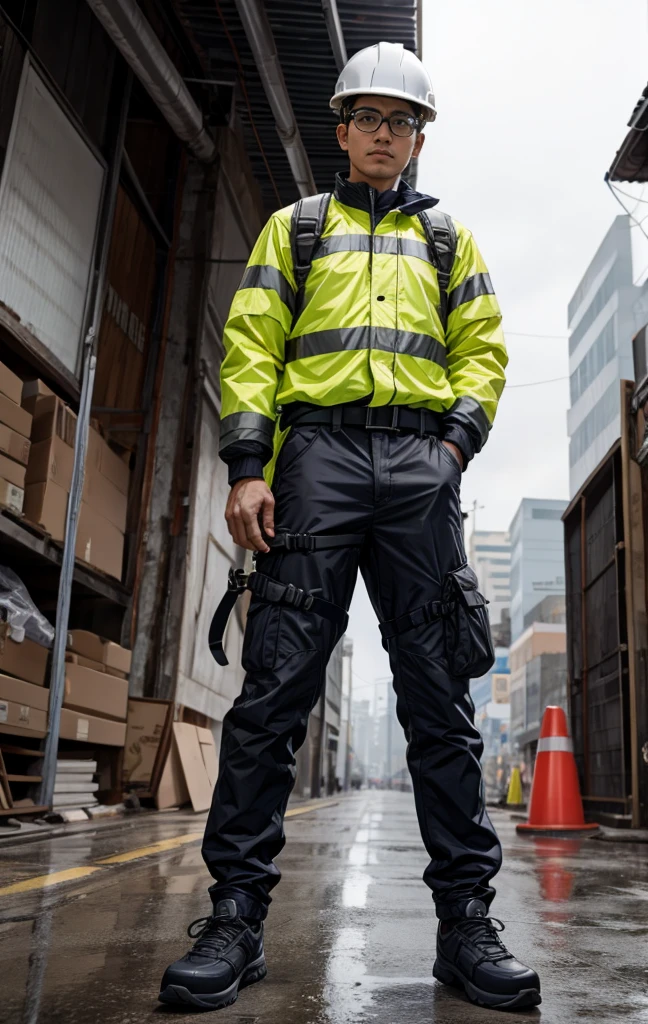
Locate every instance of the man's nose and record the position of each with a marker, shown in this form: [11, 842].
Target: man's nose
[384, 133]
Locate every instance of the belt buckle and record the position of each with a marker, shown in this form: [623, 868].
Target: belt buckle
[393, 428]
[237, 580]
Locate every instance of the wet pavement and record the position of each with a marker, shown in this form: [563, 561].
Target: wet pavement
[350, 937]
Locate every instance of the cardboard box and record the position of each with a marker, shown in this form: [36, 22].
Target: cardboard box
[10, 385]
[95, 647]
[103, 458]
[46, 504]
[104, 497]
[52, 416]
[32, 390]
[144, 729]
[14, 416]
[12, 497]
[14, 445]
[51, 459]
[101, 694]
[78, 659]
[26, 660]
[75, 725]
[99, 542]
[21, 717]
[20, 692]
[12, 471]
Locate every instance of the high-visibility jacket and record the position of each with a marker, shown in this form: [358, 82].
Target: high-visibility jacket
[368, 326]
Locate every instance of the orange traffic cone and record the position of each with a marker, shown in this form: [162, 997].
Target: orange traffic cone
[555, 804]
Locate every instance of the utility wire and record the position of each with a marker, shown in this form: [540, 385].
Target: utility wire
[613, 190]
[535, 383]
[521, 334]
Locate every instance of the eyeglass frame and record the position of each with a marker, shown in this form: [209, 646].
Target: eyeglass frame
[351, 116]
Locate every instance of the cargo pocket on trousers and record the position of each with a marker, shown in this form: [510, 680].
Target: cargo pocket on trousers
[466, 627]
[261, 636]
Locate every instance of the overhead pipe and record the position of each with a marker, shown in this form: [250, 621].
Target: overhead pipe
[259, 34]
[336, 35]
[151, 64]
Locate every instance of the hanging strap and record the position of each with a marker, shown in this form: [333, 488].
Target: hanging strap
[267, 589]
[442, 243]
[430, 612]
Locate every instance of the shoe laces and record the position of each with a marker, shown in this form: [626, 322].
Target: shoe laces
[483, 932]
[213, 933]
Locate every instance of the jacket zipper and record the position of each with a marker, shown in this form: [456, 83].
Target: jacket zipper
[372, 218]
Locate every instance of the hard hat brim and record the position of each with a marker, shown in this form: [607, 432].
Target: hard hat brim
[429, 112]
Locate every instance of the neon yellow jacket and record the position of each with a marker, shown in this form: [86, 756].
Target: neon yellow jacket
[369, 326]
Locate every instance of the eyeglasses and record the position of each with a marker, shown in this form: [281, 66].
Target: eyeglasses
[368, 120]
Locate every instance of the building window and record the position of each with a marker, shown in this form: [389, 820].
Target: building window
[603, 295]
[547, 513]
[594, 423]
[595, 359]
[499, 575]
[492, 547]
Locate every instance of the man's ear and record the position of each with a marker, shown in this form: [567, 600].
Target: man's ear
[342, 132]
[418, 145]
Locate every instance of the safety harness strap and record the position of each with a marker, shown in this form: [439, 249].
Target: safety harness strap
[316, 542]
[430, 612]
[267, 589]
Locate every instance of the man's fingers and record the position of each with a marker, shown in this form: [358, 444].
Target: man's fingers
[253, 530]
[268, 515]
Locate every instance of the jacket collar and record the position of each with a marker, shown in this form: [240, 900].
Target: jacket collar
[358, 194]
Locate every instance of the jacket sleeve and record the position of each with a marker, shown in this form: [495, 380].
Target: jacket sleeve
[476, 351]
[260, 318]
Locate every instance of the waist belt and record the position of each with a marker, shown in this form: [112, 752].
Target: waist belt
[396, 419]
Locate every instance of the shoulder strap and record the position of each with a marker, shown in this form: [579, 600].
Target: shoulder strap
[441, 237]
[307, 226]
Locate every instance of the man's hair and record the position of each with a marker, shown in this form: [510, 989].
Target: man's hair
[350, 102]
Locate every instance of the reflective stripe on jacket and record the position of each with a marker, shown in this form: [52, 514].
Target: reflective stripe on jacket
[368, 325]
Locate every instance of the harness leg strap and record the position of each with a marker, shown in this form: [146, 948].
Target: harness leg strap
[430, 612]
[267, 589]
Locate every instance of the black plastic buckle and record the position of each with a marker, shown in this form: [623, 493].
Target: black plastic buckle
[299, 542]
[297, 598]
[237, 580]
[393, 428]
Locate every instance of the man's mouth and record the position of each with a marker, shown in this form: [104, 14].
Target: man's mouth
[379, 152]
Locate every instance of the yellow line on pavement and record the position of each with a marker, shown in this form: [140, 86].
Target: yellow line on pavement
[146, 851]
[43, 881]
[305, 808]
[72, 874]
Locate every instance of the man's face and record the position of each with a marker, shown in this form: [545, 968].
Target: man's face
[381, 155]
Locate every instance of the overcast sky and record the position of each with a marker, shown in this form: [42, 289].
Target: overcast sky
[533, 101]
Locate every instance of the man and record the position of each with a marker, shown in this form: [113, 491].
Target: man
[364, 378]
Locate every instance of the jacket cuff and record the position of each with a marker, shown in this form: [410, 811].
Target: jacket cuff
[245, 466]
[459, 437]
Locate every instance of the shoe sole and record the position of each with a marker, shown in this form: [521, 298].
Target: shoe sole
[527, 999]
[179, 995]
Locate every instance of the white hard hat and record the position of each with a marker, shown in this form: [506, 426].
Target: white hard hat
[386, 69]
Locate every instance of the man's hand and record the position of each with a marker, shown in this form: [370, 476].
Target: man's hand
[456, 452]
[249, 500]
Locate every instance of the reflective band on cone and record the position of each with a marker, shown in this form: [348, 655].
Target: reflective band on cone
[555, 804]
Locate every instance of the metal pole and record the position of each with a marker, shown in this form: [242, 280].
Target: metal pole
[318, 743]
[57, 676]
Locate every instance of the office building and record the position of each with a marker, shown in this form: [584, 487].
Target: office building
[490, 557]
[537, 557]
[601, 319]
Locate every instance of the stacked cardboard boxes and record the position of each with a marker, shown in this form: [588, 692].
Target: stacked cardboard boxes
[95, 703]
[23, 697]
[15, 428]
[102, 520]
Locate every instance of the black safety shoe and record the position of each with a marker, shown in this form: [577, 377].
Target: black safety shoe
[227, 956]
[471, 956]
